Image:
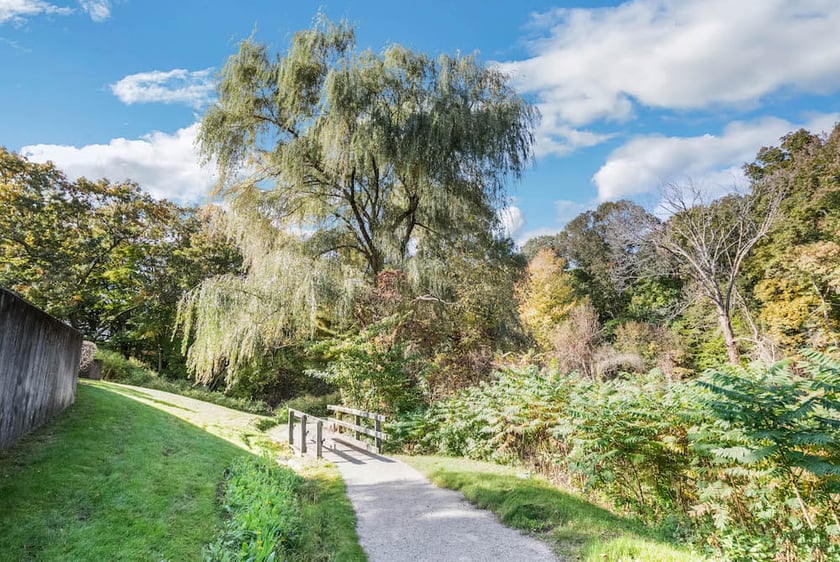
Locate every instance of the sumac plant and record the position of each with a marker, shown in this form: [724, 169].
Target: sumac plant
[747, 460]
[775, 449]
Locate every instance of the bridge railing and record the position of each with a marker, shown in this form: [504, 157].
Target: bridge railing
[336, 426]
[357, 428]
[304, 419]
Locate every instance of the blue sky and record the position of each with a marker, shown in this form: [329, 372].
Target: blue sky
[633, 95]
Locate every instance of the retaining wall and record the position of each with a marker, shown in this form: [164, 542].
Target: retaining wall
[39, 364]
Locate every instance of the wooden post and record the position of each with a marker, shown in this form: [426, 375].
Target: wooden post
[319, 438]
[377, 425]
[302, 434]
[291, 427]
[358, 421]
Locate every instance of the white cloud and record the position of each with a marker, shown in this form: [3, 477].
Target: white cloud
[16, 11]
[174, 86]
[512, 220]
[99, 10]
[646, 163]
[592, 65]
[568, 210]
[166, 166]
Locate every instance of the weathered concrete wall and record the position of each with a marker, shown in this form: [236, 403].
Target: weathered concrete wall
[39, 363]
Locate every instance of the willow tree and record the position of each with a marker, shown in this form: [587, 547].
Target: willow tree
[350, 163]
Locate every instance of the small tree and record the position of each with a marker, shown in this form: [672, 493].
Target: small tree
[712, 239]
[546, 297]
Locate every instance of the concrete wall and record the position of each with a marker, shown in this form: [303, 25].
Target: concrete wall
[39, 363]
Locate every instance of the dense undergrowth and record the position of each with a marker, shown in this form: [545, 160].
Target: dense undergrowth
[745, 462]
[262, 503]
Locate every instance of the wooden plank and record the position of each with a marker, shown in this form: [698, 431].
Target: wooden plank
[39, 361]
[359, 429]
[291, 427]
[319, 438]
[355, 412]
[303, 434]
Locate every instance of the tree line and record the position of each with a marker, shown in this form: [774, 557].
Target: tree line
[360, 242]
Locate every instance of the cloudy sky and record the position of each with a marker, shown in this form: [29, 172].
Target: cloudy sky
[633, 95]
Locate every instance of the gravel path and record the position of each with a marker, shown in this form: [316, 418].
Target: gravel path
[232, 425]
[401, 516]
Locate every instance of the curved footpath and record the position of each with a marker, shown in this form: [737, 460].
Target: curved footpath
[401, 516]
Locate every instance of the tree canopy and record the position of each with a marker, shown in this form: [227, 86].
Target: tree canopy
[106, 257]
[338, 165]
[379, 154]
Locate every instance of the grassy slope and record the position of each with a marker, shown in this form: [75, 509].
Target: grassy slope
[111, 479]
[115, 479]
[330, 529]
[578, 529]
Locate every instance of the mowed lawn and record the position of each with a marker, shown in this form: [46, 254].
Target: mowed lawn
[111, 479]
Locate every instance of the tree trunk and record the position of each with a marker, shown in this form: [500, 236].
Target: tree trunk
[729, 337]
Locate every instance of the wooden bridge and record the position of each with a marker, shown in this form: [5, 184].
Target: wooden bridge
[365, 431]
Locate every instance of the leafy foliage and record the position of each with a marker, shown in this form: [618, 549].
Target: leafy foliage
[262, 501]
[546, 297]
[105, 257]
[373, 369]
[747, 460]
[340, 165]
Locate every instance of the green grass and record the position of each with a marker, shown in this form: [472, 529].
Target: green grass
[115, 479]
[330, 522]
[116, 368]
[111, 479]
[578, 529]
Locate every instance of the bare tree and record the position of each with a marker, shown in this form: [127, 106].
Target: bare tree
[711, 239]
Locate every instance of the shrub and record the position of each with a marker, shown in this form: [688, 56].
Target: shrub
[749, 459]
[372, 369]
[314, 405]
[262, 501]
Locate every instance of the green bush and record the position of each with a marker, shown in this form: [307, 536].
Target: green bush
[117, 368]
[747, 462]
[262, 502]
[372, 370]
[313, 405]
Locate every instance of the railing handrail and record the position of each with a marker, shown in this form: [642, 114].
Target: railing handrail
[376, 433]
[360, 428]
[355, 412]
